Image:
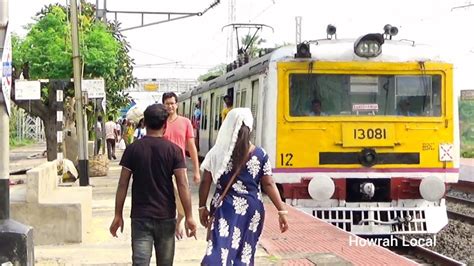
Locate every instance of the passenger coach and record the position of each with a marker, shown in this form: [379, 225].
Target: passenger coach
[361, 133]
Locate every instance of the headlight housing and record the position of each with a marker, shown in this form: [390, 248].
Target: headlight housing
[369, 45]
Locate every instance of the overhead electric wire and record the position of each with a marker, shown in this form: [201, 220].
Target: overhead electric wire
[148, 53]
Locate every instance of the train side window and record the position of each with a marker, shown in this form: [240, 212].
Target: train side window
[221, 107]
[253, 107]
[243, 97]
[204, 115]
[237, 98]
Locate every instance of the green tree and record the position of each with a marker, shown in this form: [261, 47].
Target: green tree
[252, 49]
[46, 53]
[213, 73]
[252, 45]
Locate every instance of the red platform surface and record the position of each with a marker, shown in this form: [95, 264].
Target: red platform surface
[310, 241]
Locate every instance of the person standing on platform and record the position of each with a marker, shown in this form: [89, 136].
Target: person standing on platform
[98, 135]
[197, 123]
[140, 131]
[128, 134]
[180, 131]
[238, 168]
[151, 162]
[111, 137]
[118, 127]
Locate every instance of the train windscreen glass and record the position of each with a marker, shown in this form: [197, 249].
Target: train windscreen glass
[356, 95]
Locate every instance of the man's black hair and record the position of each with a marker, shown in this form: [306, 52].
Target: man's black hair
[111, 118]
[155, 116]
[99, 118]
[228, 97]
[167, 95]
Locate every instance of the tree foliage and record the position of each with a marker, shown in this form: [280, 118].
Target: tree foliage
[252, 45]
[212, 73]
[46, 53]
[253, 48]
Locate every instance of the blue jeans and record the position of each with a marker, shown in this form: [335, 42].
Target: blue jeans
[148, 232]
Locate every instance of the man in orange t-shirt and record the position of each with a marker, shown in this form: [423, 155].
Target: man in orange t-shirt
[179, 130]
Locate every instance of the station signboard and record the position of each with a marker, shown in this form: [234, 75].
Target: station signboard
[27, 90]
[6, 72]
[150, 86]
[95, 88]
[467, 95]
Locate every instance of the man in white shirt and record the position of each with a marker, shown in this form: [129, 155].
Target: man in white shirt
[111, 137]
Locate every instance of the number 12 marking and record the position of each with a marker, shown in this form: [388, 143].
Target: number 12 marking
[286, 159]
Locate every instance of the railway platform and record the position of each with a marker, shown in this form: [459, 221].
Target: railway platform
[308, 242]
[311, 241]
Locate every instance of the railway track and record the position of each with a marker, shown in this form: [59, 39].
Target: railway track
[460, 217]
[457, 215]
[464, 201]
[464, 186]
[422, 255]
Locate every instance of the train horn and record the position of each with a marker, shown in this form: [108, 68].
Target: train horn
[330, 31]
[390, 31]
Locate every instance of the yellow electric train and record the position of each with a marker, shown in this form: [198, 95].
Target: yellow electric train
[361, 133]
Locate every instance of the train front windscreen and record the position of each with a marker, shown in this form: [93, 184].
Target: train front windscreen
[355, 95]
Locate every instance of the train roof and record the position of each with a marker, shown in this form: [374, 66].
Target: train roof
[185, 94]
[392, 51]
[253, 67]
[328, 50]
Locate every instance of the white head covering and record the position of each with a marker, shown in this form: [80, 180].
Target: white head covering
[219, 156]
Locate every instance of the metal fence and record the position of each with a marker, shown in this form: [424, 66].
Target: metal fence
[29, 127]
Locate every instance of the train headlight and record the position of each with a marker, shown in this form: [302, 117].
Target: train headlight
[432, 188]
[303, 50]
[368, 157]
[369, 45]
[321, 188]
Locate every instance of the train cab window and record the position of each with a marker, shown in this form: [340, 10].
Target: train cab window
[418, 95]
[356, 95]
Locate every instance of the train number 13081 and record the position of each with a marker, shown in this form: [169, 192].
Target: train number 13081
[370, 133]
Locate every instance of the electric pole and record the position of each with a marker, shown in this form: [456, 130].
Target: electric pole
[80, 114]
[231, 19]
[16, 239]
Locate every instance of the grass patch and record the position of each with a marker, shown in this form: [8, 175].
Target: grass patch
[467, 147]
[15, 142]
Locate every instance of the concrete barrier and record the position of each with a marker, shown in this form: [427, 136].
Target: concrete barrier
[57, 214]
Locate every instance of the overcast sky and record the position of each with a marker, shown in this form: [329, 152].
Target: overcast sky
[187, 48]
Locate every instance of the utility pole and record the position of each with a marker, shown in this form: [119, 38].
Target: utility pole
[80, 114]
[4, 123]
[16, 239]
[230, 39]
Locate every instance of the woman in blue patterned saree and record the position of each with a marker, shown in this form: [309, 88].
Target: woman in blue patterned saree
[238, 217]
